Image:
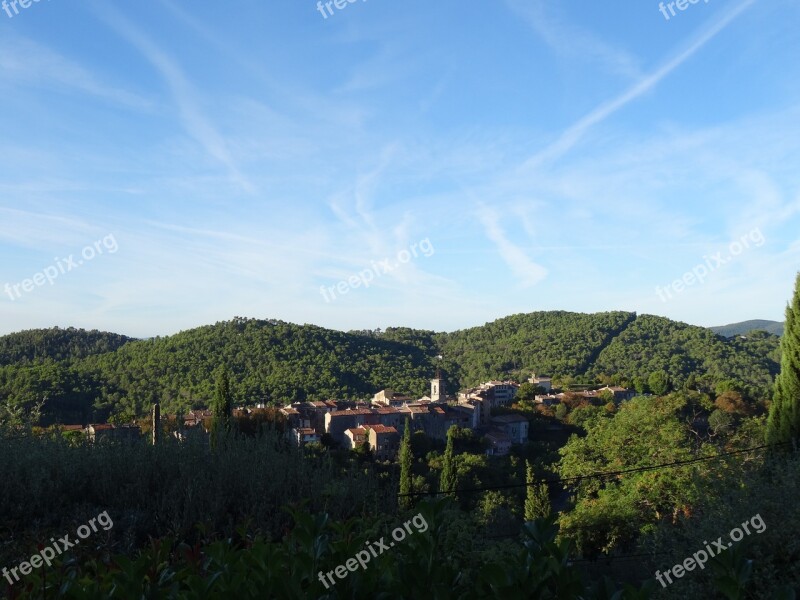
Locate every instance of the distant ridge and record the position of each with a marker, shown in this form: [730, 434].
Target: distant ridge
[773, 327]
[92, 375]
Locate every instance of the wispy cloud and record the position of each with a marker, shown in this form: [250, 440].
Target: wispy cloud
[30, 229]
[354, 205]
[196, 124]
[572, 42]
[208, 35]
[575, 133]
[526, 271]
[26, 62]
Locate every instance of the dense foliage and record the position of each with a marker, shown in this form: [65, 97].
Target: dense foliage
[784, 415]
[52, 484]
[430, 562]
[221, 531]
[761, 485]
[277, 362]
[611, 513]
[269, 361]
[557, 343]
[745, 327]
[655, 344]
[41, 345]
[426, 564]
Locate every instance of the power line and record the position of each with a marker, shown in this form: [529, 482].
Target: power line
[602, 558]
[596, 475]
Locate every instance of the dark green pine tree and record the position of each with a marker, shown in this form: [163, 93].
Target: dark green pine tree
[222, 407]
[449, 477]
[537, 498]
[783, 423]
[406, 465]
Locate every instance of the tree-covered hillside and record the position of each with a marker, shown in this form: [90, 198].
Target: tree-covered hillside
[556, 343]
[269, 361]
[654, 344]
[40, 345]
[773, 327]
[82, 376]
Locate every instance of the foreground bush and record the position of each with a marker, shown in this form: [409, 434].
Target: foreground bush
[420, 566]
[50, 486]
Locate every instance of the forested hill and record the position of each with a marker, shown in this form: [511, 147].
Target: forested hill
[774, 327]
[556, 342]
[41, 345]
[652, 344]
[273, 361]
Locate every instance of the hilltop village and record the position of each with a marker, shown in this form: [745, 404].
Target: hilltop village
[381, 422]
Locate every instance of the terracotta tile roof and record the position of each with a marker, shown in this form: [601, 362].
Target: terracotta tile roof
[382, 429]
[350, 413]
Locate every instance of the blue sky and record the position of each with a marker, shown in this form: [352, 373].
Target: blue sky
[243, 155]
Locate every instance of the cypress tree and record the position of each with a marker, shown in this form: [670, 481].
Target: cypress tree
[537, 497]
[406, 464]
[222, 407]
[783, 423]
[449, 478]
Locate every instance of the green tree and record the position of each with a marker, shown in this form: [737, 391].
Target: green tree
[691, 382]
[585, 416]
[720, 421]
[406, 465]
[783, 423]
[222, 407]
[526, 392]
[728, 385]
[643, 432]
[364, 452]
[537, 498]
[606, 396]
[449, 478]
[16, 417]
[658, 382]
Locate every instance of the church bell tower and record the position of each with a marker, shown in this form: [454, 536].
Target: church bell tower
[437, 388]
